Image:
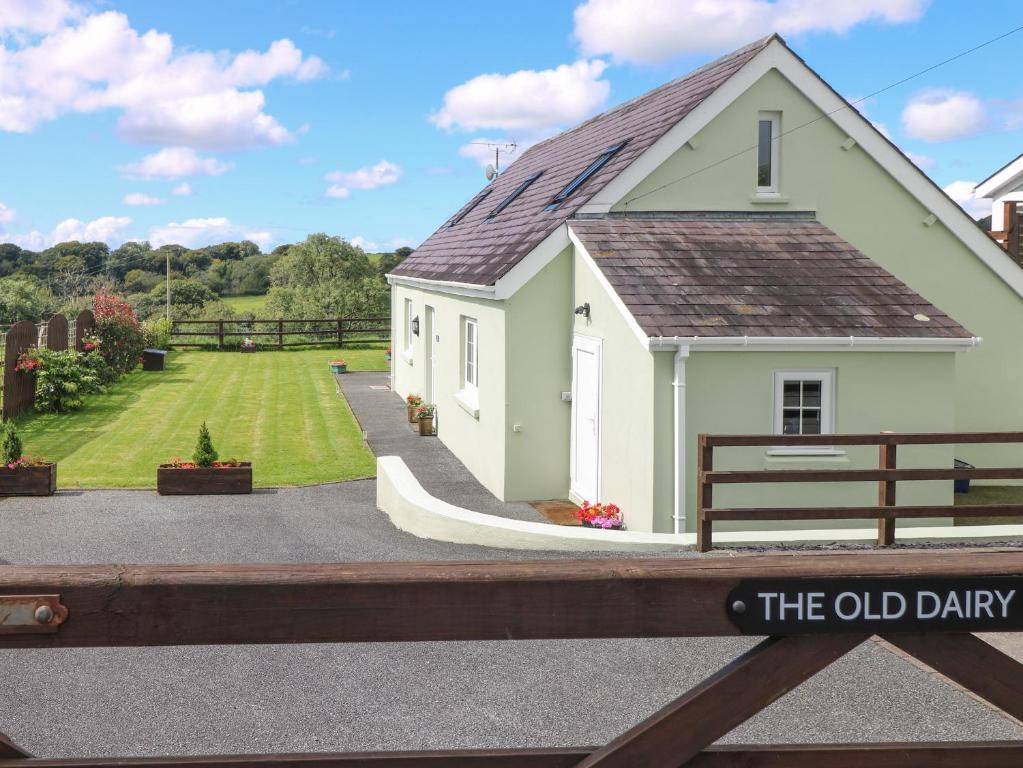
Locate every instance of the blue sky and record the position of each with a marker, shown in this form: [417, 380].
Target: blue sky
[198, 122]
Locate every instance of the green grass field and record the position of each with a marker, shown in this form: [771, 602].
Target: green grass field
[246, 304]
[279, 410]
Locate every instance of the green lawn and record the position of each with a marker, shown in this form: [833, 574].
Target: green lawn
[279, 410]
[990, 494]
[246, 304]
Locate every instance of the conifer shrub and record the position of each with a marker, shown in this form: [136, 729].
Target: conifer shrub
[205, 454]
[10, 444]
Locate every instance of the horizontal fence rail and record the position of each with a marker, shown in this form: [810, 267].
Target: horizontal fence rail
[281, 333]
[143, 605]
[887, 475]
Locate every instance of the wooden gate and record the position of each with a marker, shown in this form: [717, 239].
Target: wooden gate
[85, 325]
[127, 606]
[56, 333]
[19, 387]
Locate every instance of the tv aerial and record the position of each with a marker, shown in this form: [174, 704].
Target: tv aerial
[493, 170]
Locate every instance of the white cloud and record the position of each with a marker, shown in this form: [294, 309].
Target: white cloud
[940, 115]
[368, 177]
[6, 214]
[195, 233]
[527, 101]
[182, 190]
[921, 161]
[373, 246]
[36, 16]
[173, 163]
[962, 193]
[667, 28]
[164, 93]
[140, 198]
[367, 245]
[105, 229]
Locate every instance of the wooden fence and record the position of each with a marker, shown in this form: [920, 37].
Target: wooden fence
[19, 388]
[81, 606]
[887, 475]
[280, 333]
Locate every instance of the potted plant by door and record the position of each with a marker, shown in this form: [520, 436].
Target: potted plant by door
[338, 366]
[413, 402]
[605, 516]
[204, 474]
[424, 415]
[247, 345]
[21, 474]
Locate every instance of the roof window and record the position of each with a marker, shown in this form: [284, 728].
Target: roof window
[579, 180]
[470, 206]
[511, 198]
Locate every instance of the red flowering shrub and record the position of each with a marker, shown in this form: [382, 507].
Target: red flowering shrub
[119, 333]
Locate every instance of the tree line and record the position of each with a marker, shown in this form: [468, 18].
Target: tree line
[322, 276]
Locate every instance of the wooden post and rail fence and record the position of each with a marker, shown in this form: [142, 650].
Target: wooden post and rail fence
[813, 609]
[887, 476]
[280, 333]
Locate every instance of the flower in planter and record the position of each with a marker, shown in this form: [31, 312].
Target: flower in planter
[10, 450]
[425, 411]
[338, 362]
[29, 360]
[606, 516]
[248, 343]
[414, 401]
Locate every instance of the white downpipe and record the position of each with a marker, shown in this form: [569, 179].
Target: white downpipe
[679, 420]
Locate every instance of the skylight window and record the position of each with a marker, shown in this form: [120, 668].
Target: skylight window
[470, 206]
[511, 198]
[579, 180]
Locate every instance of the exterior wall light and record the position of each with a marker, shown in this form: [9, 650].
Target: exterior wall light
[584, 310]
[415, 325]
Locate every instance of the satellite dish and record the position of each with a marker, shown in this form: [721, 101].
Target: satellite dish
[491, 172]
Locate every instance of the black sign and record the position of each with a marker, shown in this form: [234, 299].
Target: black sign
[810, 606]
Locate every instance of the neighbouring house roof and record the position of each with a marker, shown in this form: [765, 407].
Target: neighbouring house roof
[479, 252]
[1009, 173]
[783, 276]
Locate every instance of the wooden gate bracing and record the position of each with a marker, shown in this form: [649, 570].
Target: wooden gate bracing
[128, 606]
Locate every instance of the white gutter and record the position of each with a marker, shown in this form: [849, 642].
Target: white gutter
[825, 342]
[679, 421]
[445, 286]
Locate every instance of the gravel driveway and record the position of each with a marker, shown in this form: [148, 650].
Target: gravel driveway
[152, 701]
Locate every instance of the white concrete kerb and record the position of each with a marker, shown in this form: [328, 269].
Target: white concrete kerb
[402, 498]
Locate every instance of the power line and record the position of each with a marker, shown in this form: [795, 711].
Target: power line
[846, 105]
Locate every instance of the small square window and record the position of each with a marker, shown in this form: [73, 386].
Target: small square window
[803, 402]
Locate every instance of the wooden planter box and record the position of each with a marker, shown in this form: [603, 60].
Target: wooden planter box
[202, 481]
[28, 481]
[426, 427]
[247, 349]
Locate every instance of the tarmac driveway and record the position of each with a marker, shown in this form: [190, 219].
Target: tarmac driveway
[151, 701]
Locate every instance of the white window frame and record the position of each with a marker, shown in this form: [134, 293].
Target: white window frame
[408, 329]
[827, 380]
[771, 189]
[468, 396]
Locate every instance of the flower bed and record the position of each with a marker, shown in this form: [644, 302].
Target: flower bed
[205, 474]
[605, 516]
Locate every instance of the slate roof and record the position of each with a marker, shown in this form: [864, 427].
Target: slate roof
[479, 253]
[707, 275]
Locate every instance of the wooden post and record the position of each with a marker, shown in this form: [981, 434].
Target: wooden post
[886, 496]
[704, 496]
[280, 334]
[340, 334]
[1011, 229]
[220, 334]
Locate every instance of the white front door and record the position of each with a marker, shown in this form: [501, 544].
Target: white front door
[585, 459]
[431, 364]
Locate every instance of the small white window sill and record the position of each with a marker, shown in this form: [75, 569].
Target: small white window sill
[783, 452]
[769, 198]
[406, 355]
[468, 402]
